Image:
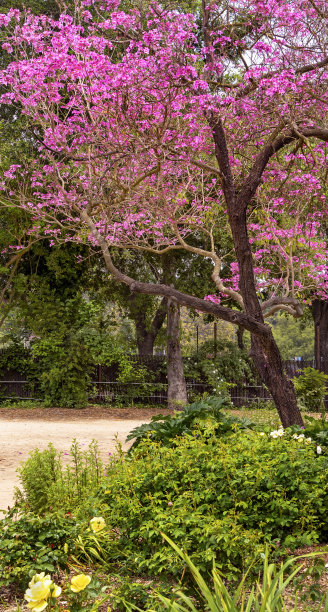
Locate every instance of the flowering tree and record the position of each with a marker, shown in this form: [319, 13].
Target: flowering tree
[156, 137]
[289, 235]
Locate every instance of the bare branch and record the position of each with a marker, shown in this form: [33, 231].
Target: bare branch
[226, 314]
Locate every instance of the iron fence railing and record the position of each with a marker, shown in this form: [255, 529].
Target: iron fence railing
[144, 393]
[106, 387]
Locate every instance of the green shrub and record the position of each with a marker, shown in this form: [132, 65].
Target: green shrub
[266, 595]
[260, 404]
[315, 428]
[167, 428]
[221, 499]
[65, 369]
[311, 389]
[32, 544]
[47, 484]
[225, 362]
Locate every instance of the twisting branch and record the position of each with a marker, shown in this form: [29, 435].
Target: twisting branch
[226, 314]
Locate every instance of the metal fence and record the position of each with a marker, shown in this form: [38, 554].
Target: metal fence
[107, 389]
[294, 367]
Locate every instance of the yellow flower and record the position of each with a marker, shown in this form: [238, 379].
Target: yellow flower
[39, 578]
[41, 588]
[79, 582]
[97, 524]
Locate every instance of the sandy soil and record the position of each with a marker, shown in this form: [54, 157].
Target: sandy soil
[23, 430]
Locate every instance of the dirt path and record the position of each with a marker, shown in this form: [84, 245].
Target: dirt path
[23, 430]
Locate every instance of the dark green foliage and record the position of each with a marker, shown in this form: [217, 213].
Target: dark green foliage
[167, 428]
[38, 7]
[64, 361]
[17, 358]
[64, 371]
[31, 544]
[221, 362]
[311, 388]
[295, 337]
[218, 498]
[317, 429]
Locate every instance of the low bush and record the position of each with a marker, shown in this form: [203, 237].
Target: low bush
[56, 540]
[268, 594]
[315, 428]
[48, 485]
[311, 388]
[32, 544]
[220, 491]
[220, 498]
[167, 428]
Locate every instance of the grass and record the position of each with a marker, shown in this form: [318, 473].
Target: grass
[261, 416]
[264, 416]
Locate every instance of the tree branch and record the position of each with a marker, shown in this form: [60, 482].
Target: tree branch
[253, 179]
[301, 70]
[226, 314]
[276, 303]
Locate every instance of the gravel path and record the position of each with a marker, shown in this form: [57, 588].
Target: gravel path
[23, 430]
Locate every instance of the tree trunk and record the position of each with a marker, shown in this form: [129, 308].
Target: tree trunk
[267, 360]
[320, 318]
[146, 336]
[177, 389]
[145, 341]
[264, 351]
[240, 338]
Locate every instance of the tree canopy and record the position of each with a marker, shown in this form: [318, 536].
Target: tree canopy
[164, 131]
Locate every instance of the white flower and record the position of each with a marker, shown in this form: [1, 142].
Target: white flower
[277, 433]
[262, 433]
[319, 450]
[295, 436]
[308, 440]
[326, 565]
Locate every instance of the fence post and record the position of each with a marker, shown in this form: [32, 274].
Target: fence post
[99, 378]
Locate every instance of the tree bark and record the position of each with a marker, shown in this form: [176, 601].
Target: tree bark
[146, 336]
[320, 318]
[177, 389]
[145, 342]
[264, 351]
[267, 360]
[240, 338]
